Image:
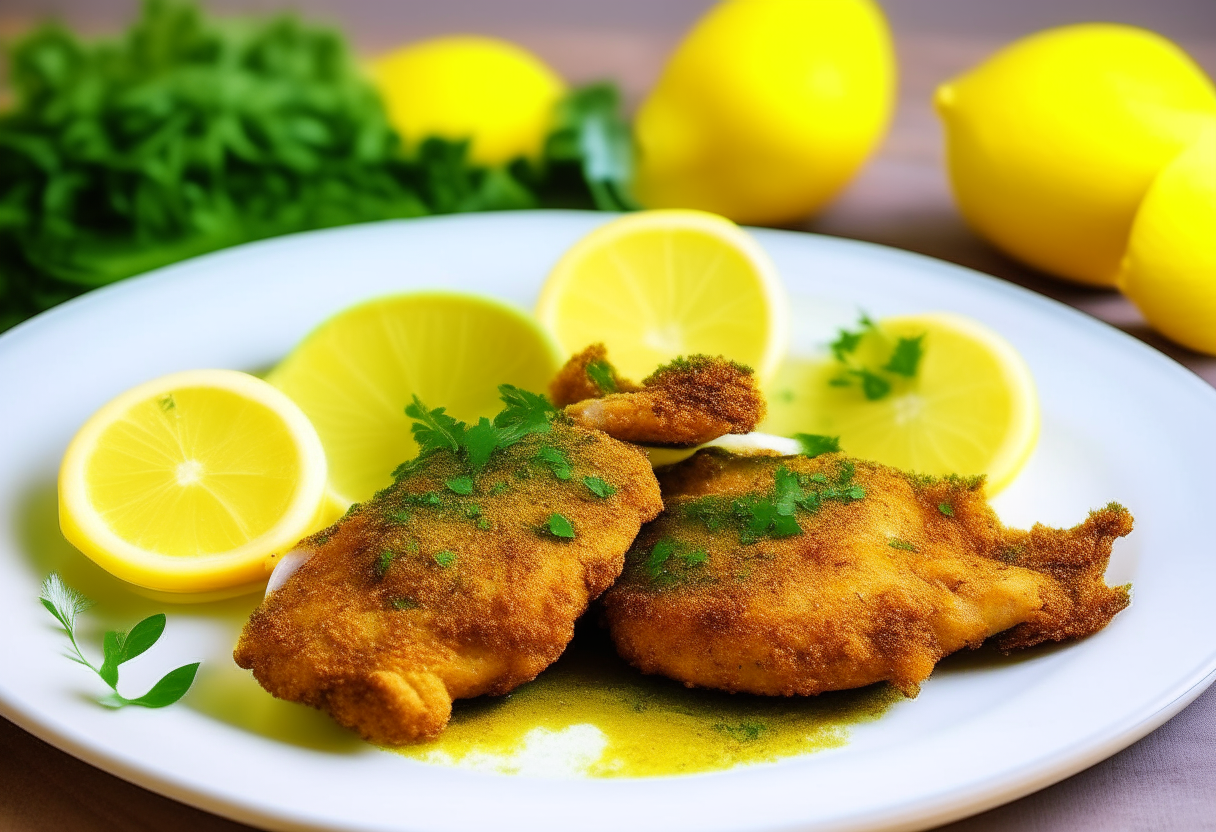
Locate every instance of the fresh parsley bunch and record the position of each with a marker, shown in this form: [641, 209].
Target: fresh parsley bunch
[189, 134]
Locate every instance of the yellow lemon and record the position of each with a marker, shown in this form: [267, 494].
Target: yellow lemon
[492, 92]
[1052, 142]
[969, 406]
[1170, 268]
[357, 371]
[767, 109]
[186, 484]
[658, 284]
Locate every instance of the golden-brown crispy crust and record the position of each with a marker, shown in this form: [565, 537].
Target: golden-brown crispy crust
[877, 588]
[422, 595]
[574, 384]
[687, 402]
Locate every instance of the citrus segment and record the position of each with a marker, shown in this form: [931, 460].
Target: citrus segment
[187, 483]
[355, 374]
[970, 407]
[658, 284]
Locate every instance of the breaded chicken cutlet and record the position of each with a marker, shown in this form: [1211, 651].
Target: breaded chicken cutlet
[463, 578]
[791, 575]
[686, 402]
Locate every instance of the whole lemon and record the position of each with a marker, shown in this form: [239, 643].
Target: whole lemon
[1170, 268]
[492, 92]
[1052, 142]
[766, 109]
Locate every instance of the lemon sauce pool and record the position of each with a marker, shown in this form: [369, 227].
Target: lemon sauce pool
[593, 715]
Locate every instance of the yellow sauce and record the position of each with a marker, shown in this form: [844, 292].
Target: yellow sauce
[590, 714]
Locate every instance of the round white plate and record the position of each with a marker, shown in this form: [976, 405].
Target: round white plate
[1120, 422]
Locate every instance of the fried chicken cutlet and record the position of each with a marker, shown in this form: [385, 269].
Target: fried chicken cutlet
[463, 578]
[791, 575]
[686, 402]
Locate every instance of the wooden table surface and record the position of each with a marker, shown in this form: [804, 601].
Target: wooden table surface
[1167, 781]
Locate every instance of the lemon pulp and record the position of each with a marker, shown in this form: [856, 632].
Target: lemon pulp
[971, 407]
[187, 483]
[354, 375]
[1053, 141]
[658, 284]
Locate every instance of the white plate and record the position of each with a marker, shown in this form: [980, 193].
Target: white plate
[1120, 422]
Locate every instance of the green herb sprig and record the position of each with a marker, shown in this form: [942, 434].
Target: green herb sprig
[118, 647]
[524, 413]
[875, 382]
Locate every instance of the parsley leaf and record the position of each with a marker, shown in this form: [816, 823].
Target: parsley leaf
[444, 558]
[873, 385]
[896, 543]
[525, 413]
[814, 444]
[559, 526]
[382, 563]
[434, 430]
[460, 485]
[404, 603]
[946, 509]
[480, 442]
[117, 647]
[600, 372]
[906, 358]
[599, 487]
[557, 462]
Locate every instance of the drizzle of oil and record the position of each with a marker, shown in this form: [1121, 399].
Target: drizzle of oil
[592, 715]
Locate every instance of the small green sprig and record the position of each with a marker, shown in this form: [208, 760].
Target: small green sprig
[876, 382]
[118, 647]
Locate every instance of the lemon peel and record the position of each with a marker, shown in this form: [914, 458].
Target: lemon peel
[492, 92]
[1053, 141]
[767, 109]
[1169, 271]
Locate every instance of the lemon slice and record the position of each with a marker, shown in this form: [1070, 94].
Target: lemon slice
[186, 484]
[356, 372]
[658, 284]
[970, 408]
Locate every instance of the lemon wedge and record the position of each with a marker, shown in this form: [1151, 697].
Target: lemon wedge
[658, 284]
[970, 407]
[186, 484]
[354, 375]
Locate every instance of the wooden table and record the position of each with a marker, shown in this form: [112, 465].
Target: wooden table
[1167, 781]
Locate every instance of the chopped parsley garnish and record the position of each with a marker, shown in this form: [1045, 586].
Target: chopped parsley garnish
[875, 382]
[473, 511]
[946, 509]
[661, 554]
[499, 489]
[559, 526]
[484, 524]
[117, 647]
[404, 603]
[445, 558]
[383, 561]
[906, 358]
[775, 515]
[896, 543]
[814, 444]
[600, 372]
[399, 516]
[557, 462]
[599, 487]
[460, 485]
